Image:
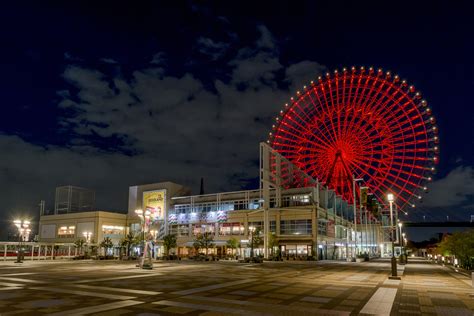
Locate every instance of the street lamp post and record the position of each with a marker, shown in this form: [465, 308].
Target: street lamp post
[24, 231]
[144, 220]
[354, 180]
[390, 199]
[404, 245]
[87, 236]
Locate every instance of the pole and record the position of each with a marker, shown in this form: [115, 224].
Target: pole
[393, 260]
[355, 212]
[366, 232]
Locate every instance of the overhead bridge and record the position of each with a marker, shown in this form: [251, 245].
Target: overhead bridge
[438, 224]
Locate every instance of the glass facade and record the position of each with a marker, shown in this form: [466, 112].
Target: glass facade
[295, 227]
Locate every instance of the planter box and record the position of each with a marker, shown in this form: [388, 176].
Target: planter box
[360, 259]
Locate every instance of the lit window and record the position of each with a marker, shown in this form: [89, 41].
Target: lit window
[67, 231]
[112, 230]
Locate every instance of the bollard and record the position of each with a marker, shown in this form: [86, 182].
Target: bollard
[472, 275]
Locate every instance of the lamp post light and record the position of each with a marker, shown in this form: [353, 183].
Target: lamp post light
[87, 236]
[404, 240]
[252, 230]
[24, 231]
[354, 180]
[402, 259]
[390, 199]
[144, 220]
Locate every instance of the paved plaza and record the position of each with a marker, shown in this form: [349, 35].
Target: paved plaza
[227, 288]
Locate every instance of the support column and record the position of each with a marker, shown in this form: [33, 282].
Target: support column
[277, 223]
[246, 225]
[69, 251]
[5, 247]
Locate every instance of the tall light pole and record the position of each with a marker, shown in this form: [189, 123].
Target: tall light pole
[24, 231]
[87, 236]
[144, 220]
[354, 180]
[390, 199]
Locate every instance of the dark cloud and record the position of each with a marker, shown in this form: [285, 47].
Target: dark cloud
[158, 58]
[211, 48]
[454, 190]
[147, 126]
[109, 61]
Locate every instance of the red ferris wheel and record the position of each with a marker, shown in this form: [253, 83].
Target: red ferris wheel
[361, 123]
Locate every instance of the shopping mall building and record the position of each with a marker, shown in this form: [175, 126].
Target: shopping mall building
[293, 213]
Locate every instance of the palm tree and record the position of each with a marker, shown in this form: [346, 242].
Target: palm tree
[79, 244]
[169, 242]
[232, 243]
[205, 240]
[107, 244]
[129, 241]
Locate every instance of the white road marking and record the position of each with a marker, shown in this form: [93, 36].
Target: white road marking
[381, 302]
[97, 308]
[118, 278]
[11, 288]
[11, 284]
[84, 293]
[114, 289]
[213, 287]
[20, 280]
[224, 310]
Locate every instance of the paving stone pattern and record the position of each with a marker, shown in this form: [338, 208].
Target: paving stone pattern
[229, 288]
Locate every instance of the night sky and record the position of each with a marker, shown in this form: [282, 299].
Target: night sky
[112, 94]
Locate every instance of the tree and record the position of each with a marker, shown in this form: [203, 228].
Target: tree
[169, 242]
[272, 242]
[256, 240]
[232, 243]
[129, 241]
[461, 245]
[107, 244]
[205, 240]
[79, 244]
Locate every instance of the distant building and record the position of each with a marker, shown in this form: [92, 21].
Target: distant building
[72, 199]
[67, 228]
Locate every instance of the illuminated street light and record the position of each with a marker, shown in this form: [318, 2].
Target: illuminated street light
[354, 180]
[24, 231]
[145, 221]
[390, 199]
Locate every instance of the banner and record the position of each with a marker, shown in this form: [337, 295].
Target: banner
[154, 201]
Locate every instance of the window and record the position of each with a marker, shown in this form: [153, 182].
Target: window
[322, 228]
[183, 230]
[200, 229]
[257, 225]
[295, 227]
[273, 226]
[67, 232]
[112, 230]
[135, 228]
[226, 229]
[173, 229]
